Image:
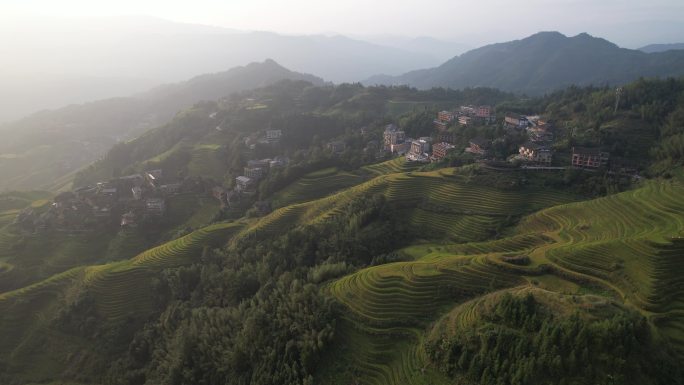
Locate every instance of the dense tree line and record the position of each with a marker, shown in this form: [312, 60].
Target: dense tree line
[522, 341]
[254, 313]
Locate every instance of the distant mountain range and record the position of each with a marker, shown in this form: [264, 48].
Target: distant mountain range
[541, 63]
[108, 57]
[40, 151]
[651, 48]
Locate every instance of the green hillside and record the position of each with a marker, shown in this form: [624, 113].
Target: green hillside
[625, 247]
[467, 232]
[450, 203]
[42, 149]
[315, 185]
[114, 293]
[542, 63]
[29, 257]
[367, 271]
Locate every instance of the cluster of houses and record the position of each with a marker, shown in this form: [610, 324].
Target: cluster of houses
[396, 142]
[464, 116]
[587, 157]
[536, 151]
[126, 200]
[245, 185]
[270, 137]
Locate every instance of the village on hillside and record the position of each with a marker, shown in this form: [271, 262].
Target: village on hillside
[536, 152]
[143, 198]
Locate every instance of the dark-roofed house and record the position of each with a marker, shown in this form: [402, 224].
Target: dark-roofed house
[440, 125]
[255, 173]
[244, 184]
[261, 163]
[464, 120]
[586, 157]
[515, 120]
[483, 111]
[448, 137]
[393, 136]
[273, 136]
[155, 206]
[170, 188]
[129, 220]
[445, 116]
[535, 152]
[479, 146]
[336, 147]
[440, 150]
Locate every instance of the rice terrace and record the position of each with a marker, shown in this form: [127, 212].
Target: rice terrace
[262, 193]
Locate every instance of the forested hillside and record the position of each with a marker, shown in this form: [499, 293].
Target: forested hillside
[42, 151]
[346, 265]
[542, 63]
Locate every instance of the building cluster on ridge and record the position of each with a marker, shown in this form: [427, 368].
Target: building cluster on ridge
[537, 151]
[125, 200]
[464, 116]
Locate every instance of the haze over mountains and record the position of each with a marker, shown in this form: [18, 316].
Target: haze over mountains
[55, 64]
[541, 63]
[240, 207]
[57, 143]
[43, 149]
[661, 47]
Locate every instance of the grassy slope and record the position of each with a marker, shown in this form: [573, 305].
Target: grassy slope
[321, 183]
[29, 258]
[121, 288]
[315, 185]
[463, 210]
[391, 306]
[30, 344]
[626, 246]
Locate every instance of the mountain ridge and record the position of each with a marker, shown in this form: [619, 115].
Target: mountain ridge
[651, 48]
[58, 142]
[541, 63]
[124, 55]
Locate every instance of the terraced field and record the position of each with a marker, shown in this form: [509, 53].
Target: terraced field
[628, 246]
[631, 240]
[37, 257]
[391, 166]
[391, 305]
[206, 161]
[438, 204]
[315, 185]
[120, 290]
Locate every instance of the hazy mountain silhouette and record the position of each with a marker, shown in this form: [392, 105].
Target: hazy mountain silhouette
[541, 63]
[39, 150]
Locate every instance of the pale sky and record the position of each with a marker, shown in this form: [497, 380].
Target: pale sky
[626, 22]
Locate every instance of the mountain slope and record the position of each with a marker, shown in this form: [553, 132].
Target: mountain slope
[541, 63]
[651, 48]
[387, 312]
[44, 147]
[117, 56]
